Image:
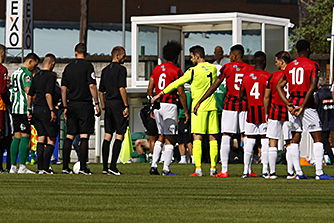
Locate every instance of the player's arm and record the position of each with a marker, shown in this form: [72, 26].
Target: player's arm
[48, 96]
[122, 90]
[93, 91]
[183, 99]
[150, 87]
[309, 94]
[185, 78]
[266, 100]
[280, 89]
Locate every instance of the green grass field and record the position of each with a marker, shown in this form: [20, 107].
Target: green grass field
[139, 197]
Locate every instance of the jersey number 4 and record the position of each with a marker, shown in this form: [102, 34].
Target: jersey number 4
[255, 91]
[297, 75]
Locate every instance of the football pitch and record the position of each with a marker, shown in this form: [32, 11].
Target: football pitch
[139, 197]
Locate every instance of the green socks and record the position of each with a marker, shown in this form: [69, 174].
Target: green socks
[23, 148]
[14, 150]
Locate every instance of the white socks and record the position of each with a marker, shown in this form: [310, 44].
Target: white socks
[183, 159]
[265, 154]
[318, 149]
[168, 155]
[289, 161]
[156, 153]
[272, 159]
[224, 152]
[248, 152]
[294, 151]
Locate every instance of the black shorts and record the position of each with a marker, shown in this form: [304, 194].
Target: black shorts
[114, 121]
[80, 118]
[41, 120]
[21, 123]
[184, 133]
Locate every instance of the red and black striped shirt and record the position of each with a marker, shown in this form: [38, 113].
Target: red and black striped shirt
[277, 109]
[254, 84]
[234, 72]
[298, 74]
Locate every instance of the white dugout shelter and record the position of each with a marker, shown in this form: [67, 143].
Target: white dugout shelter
[255, 32]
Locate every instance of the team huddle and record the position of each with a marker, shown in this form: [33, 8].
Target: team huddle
[258, 104]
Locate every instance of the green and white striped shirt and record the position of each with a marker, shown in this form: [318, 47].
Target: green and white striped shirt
[20, 79]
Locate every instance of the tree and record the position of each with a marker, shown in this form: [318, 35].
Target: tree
[316, 26]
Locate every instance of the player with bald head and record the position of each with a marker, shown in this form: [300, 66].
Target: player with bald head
[220, 60]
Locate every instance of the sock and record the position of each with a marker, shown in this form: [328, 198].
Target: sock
[197, 151]
[168, 156]
[23, 149]
[225, 152]
[8, 140]
[295, 158]
[2, 150]
[40, 155]
[183, 159]
[67, 152]
[116, 149]
[14, 150]
[162, 158]
[318, 149]
[213, 153]
[289, 161]
[105, 153]
[192, 160]
[83, 153]
[142, 158]
[272, 159]
[47, 156]
[156, 153]
[248, 152]
[265, 155]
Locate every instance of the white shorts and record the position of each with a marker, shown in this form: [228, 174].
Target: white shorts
[166, 119]
[308, 121]
[233, 121]
[277, 128]
[255, 129]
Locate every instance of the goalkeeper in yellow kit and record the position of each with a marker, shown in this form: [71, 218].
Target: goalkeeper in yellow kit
[200, 78]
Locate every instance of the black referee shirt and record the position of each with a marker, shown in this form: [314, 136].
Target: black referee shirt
[113, 77]
[77, 77]
[42, 83]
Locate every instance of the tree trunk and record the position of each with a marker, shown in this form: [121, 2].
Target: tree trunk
[83, 21]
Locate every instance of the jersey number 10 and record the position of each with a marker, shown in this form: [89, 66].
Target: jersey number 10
[297, 75]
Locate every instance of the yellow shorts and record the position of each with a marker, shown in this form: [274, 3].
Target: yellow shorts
[205, 122]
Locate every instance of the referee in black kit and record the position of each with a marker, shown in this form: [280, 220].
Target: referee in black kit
[78, 86]
[114, 101]
[44, 118]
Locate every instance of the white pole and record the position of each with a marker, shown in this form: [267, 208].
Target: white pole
[123, 23]
[331, 52]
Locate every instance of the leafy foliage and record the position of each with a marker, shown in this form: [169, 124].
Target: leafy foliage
[316, 26]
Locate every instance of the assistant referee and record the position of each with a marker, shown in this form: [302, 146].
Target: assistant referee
[114, 100]
[78, 87]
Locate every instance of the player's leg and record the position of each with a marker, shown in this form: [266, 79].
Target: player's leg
[24, 144]
[199, 124]
[229, 126]
[169, 115]
[159, 143]
[182, 150]
[213, 130]
[40, 153]
[181, 137]
[52, 130]
[274, 134]
[14, 147]
[250, 132]
[109, 129]
[265, 156]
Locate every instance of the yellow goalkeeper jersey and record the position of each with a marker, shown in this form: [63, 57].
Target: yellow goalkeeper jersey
[200, 78]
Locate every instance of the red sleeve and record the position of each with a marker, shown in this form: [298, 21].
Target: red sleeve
[3, 83]
[269, 81]
[315, 70]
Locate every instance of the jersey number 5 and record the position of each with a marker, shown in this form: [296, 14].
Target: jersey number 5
[162, 81]
[237, 81]
[255, 91]
[297, 75]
